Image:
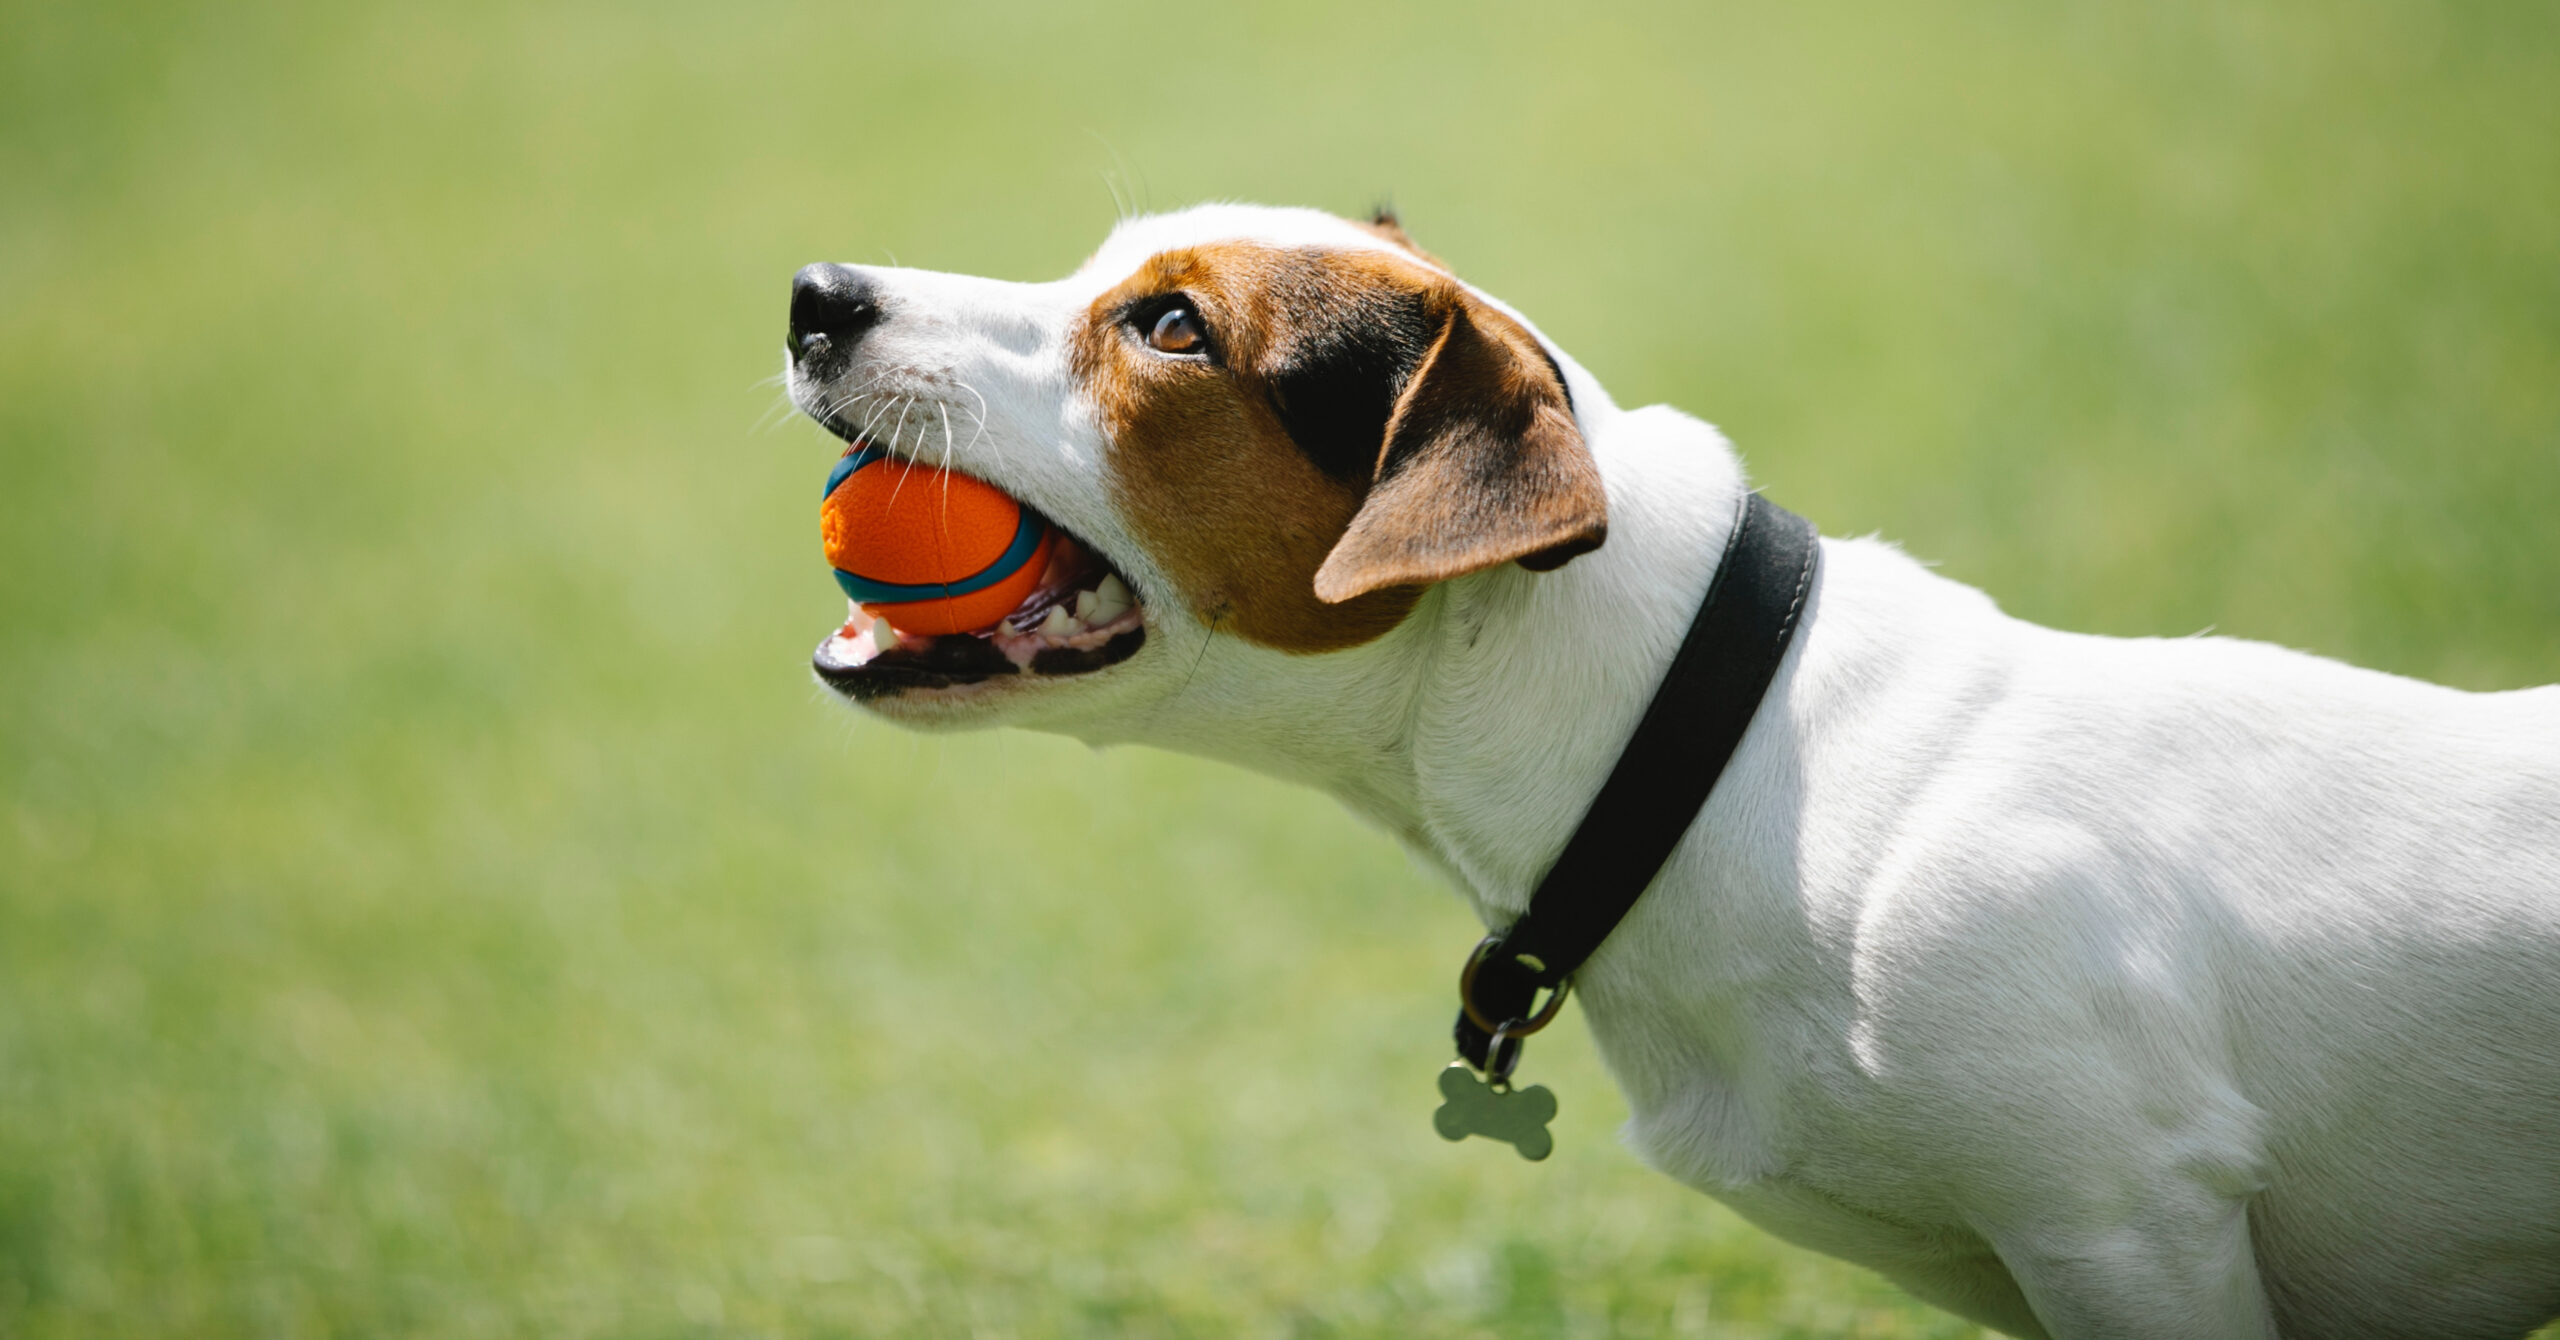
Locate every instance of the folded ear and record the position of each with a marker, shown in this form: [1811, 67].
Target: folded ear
[1482, 465]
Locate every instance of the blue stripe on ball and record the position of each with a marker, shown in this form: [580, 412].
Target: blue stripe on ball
[1026, 540]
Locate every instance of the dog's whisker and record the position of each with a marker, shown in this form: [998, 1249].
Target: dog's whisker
[775, 415]
[898, 435]
[850, 402]
[877, 378]
[1207, 635]
[834, 410]
[980, 430]
[851, 397]
[904, 403]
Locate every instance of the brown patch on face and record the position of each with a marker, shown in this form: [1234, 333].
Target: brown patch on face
[1315, 418]
[1201, 464]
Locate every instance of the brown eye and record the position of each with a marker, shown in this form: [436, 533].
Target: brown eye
[1178, 332]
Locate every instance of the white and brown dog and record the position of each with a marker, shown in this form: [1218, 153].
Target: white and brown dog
[2083, 986]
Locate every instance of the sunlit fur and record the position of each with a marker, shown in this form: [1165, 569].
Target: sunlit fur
[2086, 987]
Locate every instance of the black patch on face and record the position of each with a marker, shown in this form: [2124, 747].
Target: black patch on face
[1348, 352]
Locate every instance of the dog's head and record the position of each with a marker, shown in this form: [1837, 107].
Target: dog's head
[1273, 426]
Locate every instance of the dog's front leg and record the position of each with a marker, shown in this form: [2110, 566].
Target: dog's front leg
[2175, 1264]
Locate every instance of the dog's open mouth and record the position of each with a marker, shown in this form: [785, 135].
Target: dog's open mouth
[1081, 616]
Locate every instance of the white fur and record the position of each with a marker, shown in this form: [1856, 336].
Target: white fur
[2086, 987]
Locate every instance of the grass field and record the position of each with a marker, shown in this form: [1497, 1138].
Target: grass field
[433, 900]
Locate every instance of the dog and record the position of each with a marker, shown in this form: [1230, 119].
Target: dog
[2082, 986]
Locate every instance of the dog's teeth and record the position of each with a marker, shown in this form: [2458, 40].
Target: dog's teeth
[1086, 601]
[883, 637]
[1110, 600]
[1059, 623]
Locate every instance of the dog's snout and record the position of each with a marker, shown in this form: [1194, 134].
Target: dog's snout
[831, 307]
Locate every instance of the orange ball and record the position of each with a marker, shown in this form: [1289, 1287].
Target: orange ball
[930, 551]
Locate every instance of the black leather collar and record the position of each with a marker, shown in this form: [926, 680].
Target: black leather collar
[1671, 763]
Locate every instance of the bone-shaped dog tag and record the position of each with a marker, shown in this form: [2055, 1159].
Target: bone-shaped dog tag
[1517, 1117]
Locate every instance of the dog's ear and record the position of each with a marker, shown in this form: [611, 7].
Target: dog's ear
[1482, 465]
[1384, 223]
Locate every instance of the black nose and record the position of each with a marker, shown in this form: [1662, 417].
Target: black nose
[831, 306]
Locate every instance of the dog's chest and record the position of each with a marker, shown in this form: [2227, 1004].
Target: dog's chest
[1755, 1099]
[1726, 1006]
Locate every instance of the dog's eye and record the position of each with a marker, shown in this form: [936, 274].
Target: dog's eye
[1177, 331]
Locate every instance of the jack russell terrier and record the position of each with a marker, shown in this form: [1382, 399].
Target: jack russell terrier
[2082, 986]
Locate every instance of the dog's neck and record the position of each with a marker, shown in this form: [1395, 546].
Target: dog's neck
[1479, 729]
[1537, 679]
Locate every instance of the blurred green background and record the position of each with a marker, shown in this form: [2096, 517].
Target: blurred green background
[434, 901]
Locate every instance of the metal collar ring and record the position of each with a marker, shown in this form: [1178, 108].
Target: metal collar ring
[1513, 1028]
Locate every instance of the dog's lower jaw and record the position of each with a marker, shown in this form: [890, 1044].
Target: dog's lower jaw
[1107, 706]
[996, 700]
[957, 665]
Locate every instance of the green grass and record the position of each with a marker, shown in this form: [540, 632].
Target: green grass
[433, 901]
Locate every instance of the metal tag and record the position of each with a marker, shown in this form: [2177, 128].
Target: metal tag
[1517, 1117]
